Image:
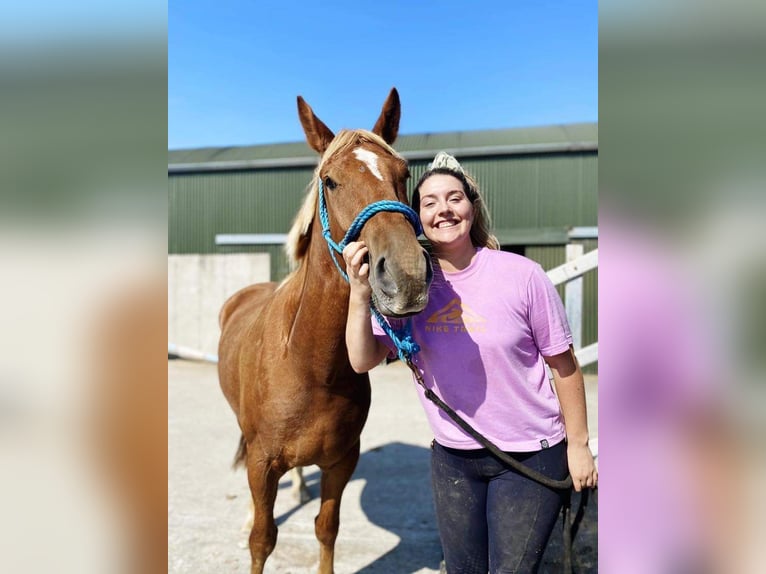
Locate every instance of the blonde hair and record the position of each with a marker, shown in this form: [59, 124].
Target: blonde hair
[298, 237]
[445, 164]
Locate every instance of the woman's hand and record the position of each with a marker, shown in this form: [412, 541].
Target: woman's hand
[364, 350]
[582, 466]
[358, 270]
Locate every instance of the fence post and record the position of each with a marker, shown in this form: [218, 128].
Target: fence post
[573, 293]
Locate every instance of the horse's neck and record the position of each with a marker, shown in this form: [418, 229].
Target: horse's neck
[323, 300]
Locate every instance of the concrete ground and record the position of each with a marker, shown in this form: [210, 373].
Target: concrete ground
[387, 520]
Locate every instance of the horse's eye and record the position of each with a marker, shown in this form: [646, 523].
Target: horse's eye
[330, 183]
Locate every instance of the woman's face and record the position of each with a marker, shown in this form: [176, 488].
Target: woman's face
[445, 212]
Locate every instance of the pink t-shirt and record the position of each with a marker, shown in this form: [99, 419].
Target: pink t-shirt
[482, 338]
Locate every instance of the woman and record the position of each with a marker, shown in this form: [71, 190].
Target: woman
[492, 322]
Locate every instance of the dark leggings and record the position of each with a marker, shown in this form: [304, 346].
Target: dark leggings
[491, 519]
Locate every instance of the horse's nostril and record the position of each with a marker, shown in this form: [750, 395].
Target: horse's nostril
[380, 267]
[385, 281]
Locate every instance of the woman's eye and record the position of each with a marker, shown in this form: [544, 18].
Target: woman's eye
[330, 183]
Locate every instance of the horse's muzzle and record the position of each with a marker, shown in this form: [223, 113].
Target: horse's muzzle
[400, 285]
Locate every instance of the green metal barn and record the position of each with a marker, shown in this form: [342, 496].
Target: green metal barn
[540, 184]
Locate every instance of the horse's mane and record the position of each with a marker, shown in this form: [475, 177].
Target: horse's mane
[299, 237]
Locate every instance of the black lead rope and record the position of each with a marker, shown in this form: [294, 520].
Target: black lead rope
[569, 526]
[565, 484]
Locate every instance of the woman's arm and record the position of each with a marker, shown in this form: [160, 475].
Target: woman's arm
[364, 350]
[570, 388]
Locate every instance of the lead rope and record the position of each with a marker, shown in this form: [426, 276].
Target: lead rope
[484, 441]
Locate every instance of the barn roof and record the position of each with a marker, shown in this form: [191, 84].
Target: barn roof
[546, 139]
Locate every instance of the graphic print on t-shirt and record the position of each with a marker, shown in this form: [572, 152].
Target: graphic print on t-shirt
[455, 317]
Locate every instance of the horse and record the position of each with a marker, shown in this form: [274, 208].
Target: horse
[283, 363]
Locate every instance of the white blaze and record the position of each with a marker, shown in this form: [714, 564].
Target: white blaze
[370, 159]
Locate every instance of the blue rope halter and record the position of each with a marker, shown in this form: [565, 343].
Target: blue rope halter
[402, 338]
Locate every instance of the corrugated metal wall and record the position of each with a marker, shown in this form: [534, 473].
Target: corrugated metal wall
[528, 192]
[263, 201]
[202, 205]
[522, 192]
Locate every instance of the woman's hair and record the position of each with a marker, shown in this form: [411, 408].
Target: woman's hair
[445, 164]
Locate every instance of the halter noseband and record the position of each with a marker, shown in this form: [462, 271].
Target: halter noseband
[356, 226]
[402, 338]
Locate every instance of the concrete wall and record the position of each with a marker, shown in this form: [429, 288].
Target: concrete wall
[198, 285]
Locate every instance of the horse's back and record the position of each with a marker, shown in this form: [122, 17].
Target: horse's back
[235, 319]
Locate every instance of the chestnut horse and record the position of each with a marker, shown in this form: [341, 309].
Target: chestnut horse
[283, 363]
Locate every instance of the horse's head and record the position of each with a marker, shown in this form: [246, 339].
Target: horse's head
[359, 168]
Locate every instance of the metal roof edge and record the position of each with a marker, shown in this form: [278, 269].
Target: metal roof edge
[511, 149]
[566, 146]
[463, 152]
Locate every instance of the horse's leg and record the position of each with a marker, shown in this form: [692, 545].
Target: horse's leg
[264, 482]
[299, 489]
[334, 480]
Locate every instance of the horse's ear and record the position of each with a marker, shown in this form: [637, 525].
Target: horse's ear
[387, 125]
[318, 135]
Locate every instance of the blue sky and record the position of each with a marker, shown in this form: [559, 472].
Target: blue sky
[235, 68]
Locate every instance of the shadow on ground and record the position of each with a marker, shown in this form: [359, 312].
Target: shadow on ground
[397, 497]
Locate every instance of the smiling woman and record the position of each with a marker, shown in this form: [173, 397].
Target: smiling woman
[492, 322]
[445, 177]
[447, 215]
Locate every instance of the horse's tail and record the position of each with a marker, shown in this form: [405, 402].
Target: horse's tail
[239, 458]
